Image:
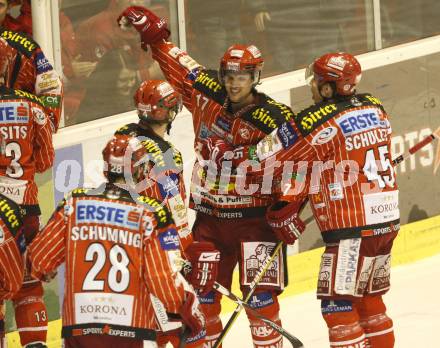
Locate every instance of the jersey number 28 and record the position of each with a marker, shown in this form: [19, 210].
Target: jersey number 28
[118, 277]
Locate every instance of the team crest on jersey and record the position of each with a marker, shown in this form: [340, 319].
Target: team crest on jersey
[324, 136]
[39, 116]
[148, 225]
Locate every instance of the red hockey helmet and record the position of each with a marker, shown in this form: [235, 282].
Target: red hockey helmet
[342, 68]
[156, 100]
[242, 58]
[122, 155]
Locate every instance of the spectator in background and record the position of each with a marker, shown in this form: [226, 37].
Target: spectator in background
[299, 29]
[109, 87]
[75, 69]
[216, 23]
[23, 22]
[100, 34]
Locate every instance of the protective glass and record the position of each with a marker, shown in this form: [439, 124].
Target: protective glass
[309, 74]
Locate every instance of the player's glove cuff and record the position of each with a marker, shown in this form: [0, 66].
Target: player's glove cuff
[283, 218]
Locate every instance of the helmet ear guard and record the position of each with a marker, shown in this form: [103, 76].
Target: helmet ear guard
[242, 58]
[343, 69]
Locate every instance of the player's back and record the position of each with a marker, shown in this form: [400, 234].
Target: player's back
[165, 175]
[105, 286]
[25, 144]
[355, 185]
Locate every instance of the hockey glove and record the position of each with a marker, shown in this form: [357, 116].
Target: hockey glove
[283, 218]
[204, 259]
[191, 314]
[215, 149]
[151, 28]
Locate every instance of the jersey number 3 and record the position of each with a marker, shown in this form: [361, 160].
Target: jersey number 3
[118, 277]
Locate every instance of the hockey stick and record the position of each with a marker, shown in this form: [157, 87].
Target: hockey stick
[267, 262]
[296, 343]
[421, 144]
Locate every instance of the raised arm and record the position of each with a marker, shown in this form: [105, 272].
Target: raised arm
[178, 67]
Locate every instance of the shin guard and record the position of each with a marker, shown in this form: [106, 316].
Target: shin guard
[210, 304]
[31, 314]
[377, 325]
[263, 336]
[343, 324]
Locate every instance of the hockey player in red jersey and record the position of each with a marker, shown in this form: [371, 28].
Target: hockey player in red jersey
[12, 246]
[158, 104]
[26, 149]
[342, 145]
[227, 110]
[29, 70]
[122, 260]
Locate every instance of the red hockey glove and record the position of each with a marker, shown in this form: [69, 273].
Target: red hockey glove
[283, 218]
[215, 149]
[191, 313]
[204, 259]
[151, 28]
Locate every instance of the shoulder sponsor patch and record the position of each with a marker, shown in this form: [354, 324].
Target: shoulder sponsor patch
[287, 135]
[20, 42]
[27, 95]
[161, 213]
[168, 185]
[42, 63]
[268, 116]
[281, 138]
[169, 240]
[207, 82]
[48, 82]
[324, 136]
[311, 118]
[268, 146]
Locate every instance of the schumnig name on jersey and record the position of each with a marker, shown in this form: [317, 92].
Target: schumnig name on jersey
[114, 235]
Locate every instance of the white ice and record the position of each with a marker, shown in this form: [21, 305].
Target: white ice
[413, 303]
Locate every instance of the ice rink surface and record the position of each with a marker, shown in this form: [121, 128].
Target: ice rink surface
[413, 303]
